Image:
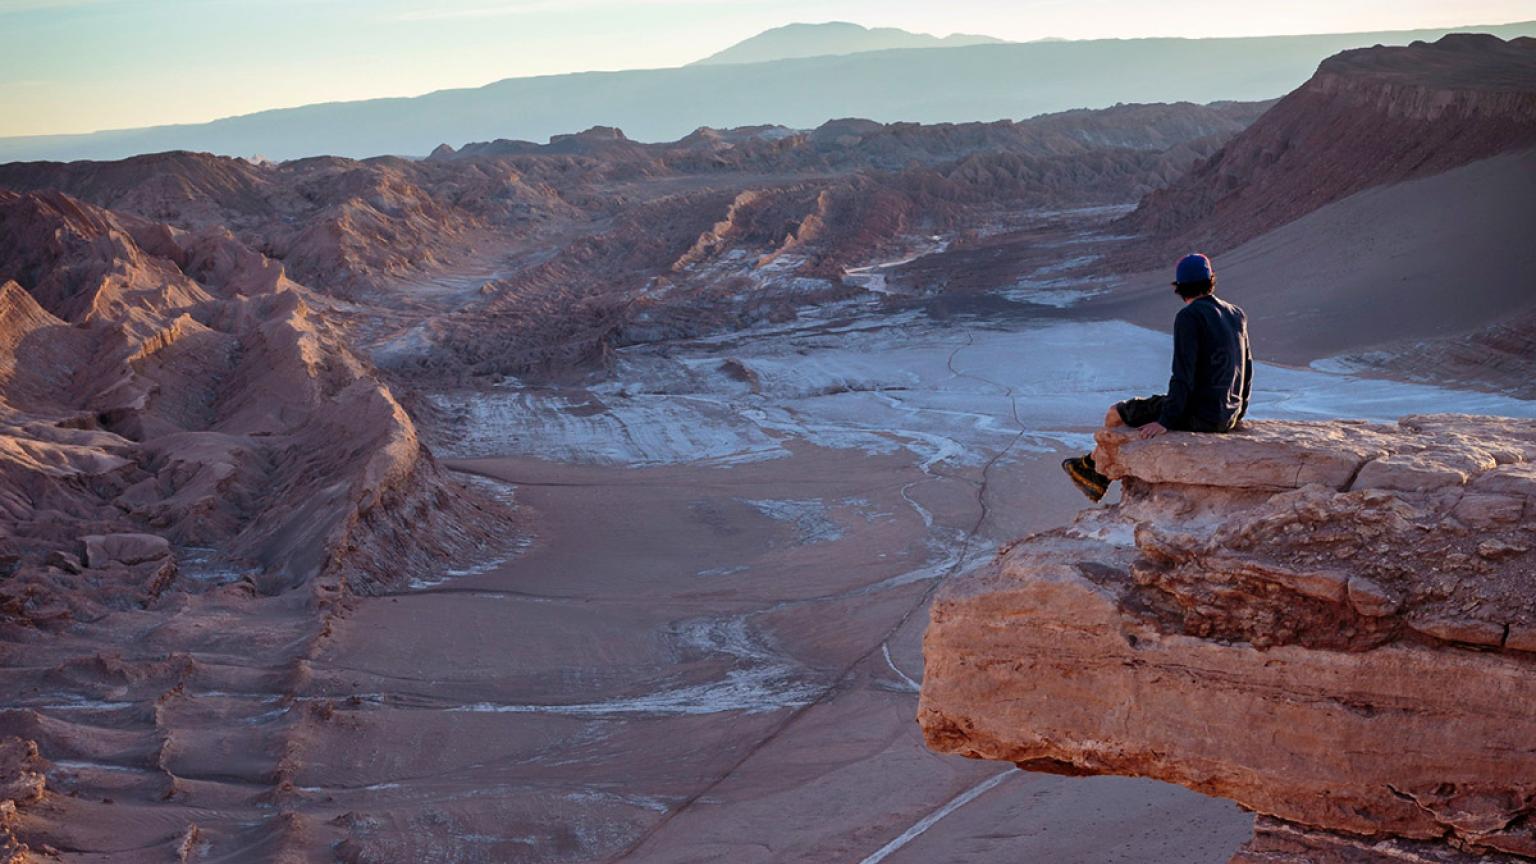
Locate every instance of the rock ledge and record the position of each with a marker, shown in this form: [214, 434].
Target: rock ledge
[1333, 624]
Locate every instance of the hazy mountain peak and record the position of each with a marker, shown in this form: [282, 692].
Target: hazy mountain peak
[832, 37]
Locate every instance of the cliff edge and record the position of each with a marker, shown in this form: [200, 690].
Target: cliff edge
[1330, 623]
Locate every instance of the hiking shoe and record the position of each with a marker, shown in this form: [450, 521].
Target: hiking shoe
[1087, 480]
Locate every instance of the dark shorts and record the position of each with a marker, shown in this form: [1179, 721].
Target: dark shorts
[1145, 409]
[1141, 411]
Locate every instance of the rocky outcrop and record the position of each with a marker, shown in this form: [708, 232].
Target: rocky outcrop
[1332, 624]
[1368, 117]
[21, 775]
[21, 783]
[180, 393]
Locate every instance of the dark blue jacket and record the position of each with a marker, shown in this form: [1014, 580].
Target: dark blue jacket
[1212, 367]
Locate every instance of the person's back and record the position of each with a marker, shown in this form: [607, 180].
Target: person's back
[1212, 367]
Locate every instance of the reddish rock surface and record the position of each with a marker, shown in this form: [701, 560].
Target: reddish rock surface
[1329, 623]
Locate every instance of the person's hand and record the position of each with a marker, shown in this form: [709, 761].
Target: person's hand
[1152, 430]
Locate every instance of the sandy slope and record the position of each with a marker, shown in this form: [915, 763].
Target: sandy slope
[1418, 260]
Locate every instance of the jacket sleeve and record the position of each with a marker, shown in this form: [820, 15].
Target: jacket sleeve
[1186, 352]
[1247, 373]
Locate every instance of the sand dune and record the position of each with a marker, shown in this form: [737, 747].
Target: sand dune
[1418, 260]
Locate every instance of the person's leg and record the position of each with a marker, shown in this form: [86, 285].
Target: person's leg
[1113, 418]
[1136, 413]
[1083, 473]
[1131, 412]
[1085, 476]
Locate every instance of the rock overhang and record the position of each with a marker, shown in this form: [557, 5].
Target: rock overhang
[1344, 648]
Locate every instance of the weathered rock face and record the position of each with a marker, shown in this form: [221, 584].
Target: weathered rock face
[1331, 623]
[145, 412]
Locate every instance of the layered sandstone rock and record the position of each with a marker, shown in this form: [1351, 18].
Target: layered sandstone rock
[1333, 624]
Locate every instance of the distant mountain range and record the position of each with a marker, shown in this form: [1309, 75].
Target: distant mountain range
[834, 37]
[928, 85]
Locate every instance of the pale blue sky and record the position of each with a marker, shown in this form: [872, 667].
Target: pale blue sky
[84, 65]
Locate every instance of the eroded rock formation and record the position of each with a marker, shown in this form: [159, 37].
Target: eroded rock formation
[600, 241]
[1332, 624]
[164, 389]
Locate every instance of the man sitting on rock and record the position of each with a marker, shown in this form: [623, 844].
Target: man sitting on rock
[1212, 373]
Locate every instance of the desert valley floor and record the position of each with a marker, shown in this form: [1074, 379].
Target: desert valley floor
[713, 634]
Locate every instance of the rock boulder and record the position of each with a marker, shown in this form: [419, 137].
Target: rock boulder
[106, 550]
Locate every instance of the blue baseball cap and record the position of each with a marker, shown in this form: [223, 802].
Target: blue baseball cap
[1193, 267]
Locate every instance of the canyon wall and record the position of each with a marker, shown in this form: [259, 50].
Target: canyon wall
[1331, 623]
